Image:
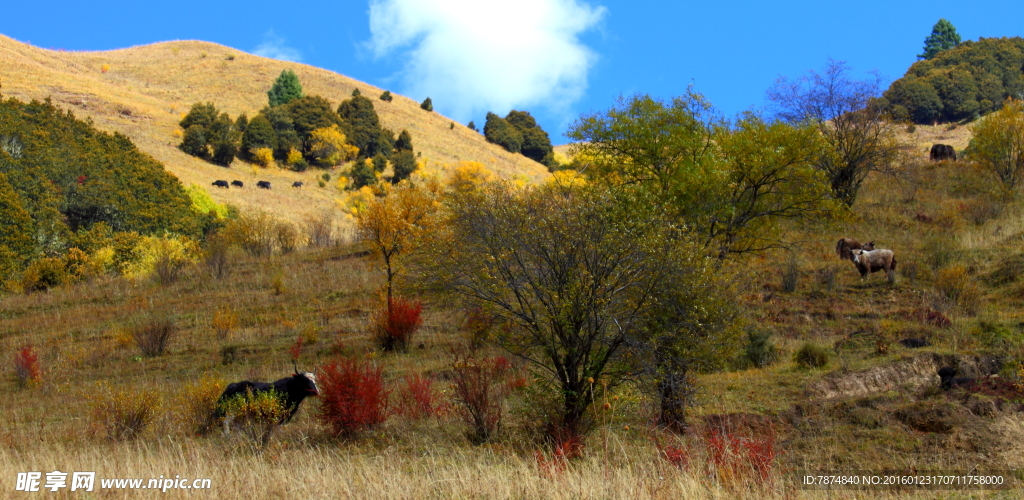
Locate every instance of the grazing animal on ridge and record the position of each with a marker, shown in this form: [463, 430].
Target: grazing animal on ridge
[220, 184]
[263, 184]
[297, 184]
[845, 246]
[875, 260]
[292, 391]
[237, 183]
[941, 152]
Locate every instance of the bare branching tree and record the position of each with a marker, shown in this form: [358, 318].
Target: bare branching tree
[851, 119]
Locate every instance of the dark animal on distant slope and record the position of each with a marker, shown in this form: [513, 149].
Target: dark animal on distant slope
[237, 183]
[949, 380]
[220, 184]
[941, 152]
[263, 184]
[297, 184]
[845, 245]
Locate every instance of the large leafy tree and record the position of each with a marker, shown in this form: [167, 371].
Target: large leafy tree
[16, 230]
[858, 134]
[998, 145]
[732, 185]
[584, 284]
[285, 89]
[536, 143]
[943, 37]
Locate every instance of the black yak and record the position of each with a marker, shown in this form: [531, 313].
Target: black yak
[237, 183]
[292, 391]
[263, 184]
[220, 184]
[297, 184]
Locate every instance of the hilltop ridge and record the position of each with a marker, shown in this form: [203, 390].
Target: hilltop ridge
[143, 92]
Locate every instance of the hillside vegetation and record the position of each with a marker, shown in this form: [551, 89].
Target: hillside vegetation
[143, 92]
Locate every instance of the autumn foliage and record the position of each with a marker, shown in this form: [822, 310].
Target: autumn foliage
[26, 366]
[480, 386]
[396, 324]
[353, 397]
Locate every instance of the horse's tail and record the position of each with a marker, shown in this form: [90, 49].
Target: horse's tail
[840, 246]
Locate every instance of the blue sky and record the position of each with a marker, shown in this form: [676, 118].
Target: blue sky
[554, 58]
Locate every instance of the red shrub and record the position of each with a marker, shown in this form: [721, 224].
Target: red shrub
[296, 349]
[353, 396]
[676, 456]
[479, 388]
[396, 324]
[733, 456]
[26, 366]
[417, 398]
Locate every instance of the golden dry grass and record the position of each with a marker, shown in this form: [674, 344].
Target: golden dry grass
[146, 90]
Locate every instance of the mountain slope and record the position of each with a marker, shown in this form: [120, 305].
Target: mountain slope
[144, 91]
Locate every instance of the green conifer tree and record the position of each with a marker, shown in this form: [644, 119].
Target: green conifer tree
[404, 142]
[427, 104]
[943, 37]
[362, 175]
[285, 89]
[386, 96]
[404, 164]
[380, 162]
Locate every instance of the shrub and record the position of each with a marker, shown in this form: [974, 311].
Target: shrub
[153, 335]
[955, 286]
[43, 274]
[417, 397]
[195, 405]
[760, 351]
[124, 414]
[318, 230]
[477, 325]
[257, 414]
[252, 232]
[224, 320]
[362, 175]
[479, 387]
[219, 256]
[427, 105]
[396, 323]
[732, 458]
[287, 237]
[386, 96]
[353, 397]
[811, 356]
[194, 142]
[26, 366]
[263, 157]
[164, 258]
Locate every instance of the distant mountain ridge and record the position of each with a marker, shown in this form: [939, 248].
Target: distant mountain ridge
[143, 92]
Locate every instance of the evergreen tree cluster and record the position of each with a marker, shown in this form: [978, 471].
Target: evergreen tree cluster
[960, 83]
[519, 132]
[943, 37]
[286, 127]
[63, 183]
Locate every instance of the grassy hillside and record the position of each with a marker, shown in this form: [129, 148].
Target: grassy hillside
[144, 91]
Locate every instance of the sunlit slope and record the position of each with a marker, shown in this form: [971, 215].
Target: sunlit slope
[143, 92]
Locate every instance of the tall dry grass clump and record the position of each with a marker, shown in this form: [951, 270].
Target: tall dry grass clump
[152, 335]
[319, 230]
[224, 321]
[253, 232]
[287, 237]
[124, 414]
[955, 287]
[218, 256]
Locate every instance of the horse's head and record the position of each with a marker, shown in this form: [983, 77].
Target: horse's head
[869, 246]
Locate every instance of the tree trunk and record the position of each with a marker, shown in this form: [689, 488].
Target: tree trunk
[675, 391]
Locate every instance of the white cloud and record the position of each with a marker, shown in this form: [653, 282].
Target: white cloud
[274, 47]
[470, 56]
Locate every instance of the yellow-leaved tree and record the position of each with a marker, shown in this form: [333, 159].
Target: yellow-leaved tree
[998, 144]
[394, 225]
[469, 175]
[329, 146]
